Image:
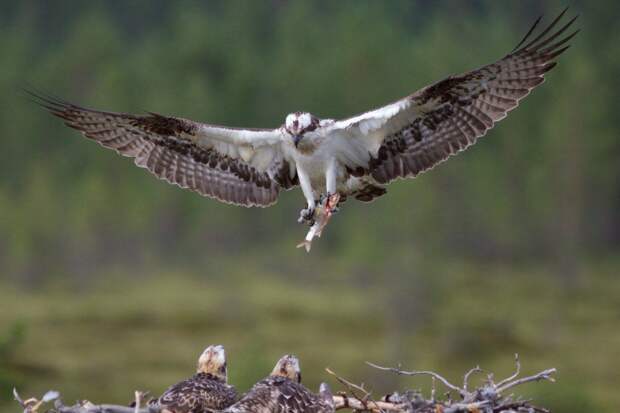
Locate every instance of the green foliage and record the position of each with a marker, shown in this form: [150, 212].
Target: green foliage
[9, 342]
[537, 186]
[126, 334]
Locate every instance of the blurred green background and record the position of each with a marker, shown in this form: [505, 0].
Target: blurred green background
[111, 280]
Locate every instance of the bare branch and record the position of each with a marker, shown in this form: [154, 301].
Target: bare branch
[351, 386]
[465, 407]
[138, 401]
[488, 397]
[33, 404]
[342, 402]
[543, 375]
[476, 369]
[88, 407]
[398, 371]
[17, 397]
[516, 373]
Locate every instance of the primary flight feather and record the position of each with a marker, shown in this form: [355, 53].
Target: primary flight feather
[329, 159]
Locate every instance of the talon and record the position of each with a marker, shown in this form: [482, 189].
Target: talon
[306, 215]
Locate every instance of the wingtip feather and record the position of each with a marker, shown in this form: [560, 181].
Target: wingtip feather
[542, 39]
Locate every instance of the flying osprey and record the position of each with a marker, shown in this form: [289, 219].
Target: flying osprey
[205, 392]
[282, 392]
[329, 159]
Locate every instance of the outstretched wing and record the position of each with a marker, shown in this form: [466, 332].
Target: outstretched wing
[237, 166]
[414, 134]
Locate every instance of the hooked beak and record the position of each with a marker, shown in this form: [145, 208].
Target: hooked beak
[297, 139]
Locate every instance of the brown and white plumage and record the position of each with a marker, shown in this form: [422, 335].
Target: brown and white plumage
[282, 392]
[205, 392]
[354, 157]
[238, 166]
[414, 134]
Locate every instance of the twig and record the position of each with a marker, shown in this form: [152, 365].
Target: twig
[343, 402]
[543, 375]
[398, 371]
[476, 369]
[488, 397]
[103, 408]
[32, 404]
[138, 398]
[516, 373]
[17, 397]
[361, 403]
[351, 386]
[465, 407]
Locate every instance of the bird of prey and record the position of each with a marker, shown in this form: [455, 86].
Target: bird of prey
[329, 159]
[205, 392]
[282, 392]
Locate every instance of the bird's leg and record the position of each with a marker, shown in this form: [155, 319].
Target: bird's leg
[332, 197]
[327, 204]
[306, 215]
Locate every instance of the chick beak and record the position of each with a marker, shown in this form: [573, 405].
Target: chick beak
[297, 139]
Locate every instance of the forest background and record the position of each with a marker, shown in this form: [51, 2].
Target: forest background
[111, 280]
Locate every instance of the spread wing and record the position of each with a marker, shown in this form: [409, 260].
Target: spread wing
[237, 166]
[414, 134]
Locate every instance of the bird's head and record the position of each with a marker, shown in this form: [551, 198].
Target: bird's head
[213, 361]
[298, 123]
[288, 366]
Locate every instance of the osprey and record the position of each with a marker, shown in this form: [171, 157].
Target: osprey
[329, 159]
[205, 392]
[282, 392]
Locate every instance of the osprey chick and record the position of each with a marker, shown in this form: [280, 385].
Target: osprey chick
[207, 391]
[329, 159]
[282, 392]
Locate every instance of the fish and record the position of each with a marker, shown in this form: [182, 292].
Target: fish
[323, 213]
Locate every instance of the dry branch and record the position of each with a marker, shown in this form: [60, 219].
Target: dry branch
[343, 402]
[488, 398]
[436, 376]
